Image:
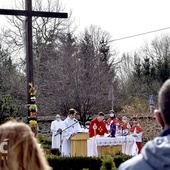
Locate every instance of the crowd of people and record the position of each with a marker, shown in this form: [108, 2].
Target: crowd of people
[155, 153]
[114, 126]
[62, 131]
[20, 149]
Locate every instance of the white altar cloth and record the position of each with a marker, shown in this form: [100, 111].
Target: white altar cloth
[128, 143]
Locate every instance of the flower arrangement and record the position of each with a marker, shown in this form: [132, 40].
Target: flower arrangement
[33, 123]
[33, 109]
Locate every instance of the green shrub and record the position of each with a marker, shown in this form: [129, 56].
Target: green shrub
[120, 158]
[55, 151]
[44, 141]
[107, 163]
[85, 163]
[74, 163]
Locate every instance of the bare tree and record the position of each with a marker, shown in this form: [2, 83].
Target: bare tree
[46, 33]
[45, 30]
[69, 71]
[79, 75]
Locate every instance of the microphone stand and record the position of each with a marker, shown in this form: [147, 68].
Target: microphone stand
[60, 132]
[65, 129]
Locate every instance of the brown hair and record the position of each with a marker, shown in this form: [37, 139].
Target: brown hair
[164, 101]
[100, 114]
[72, 111]
[22, 149]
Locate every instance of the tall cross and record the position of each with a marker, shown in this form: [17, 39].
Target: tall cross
[29, 13]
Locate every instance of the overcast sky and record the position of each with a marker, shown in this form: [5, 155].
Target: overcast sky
[121, 18]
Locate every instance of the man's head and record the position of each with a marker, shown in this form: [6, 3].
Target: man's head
[100, 116]
[72, 113]
[163, 112]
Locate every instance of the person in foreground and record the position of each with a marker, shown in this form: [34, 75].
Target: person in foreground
[20, 149]
[155, 155]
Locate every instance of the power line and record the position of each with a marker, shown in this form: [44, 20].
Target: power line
[131, 36]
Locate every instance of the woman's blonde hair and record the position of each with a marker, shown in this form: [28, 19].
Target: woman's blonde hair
[20, 149]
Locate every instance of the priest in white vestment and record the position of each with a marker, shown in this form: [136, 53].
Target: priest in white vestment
[56, 128]
[72, 127]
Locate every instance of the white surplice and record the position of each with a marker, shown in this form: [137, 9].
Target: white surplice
[57, 137]
[71, 126]
[138, 136]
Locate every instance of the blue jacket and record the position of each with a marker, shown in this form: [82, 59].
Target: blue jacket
[155, 155]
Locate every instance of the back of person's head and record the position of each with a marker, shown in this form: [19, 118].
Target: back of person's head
[164, 101]
[22, 151]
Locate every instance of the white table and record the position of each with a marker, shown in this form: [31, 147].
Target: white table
[128, 143]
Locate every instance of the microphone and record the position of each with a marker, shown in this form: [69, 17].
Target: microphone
[75, 121]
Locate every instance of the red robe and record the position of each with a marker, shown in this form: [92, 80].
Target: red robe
[126, 126]
[138, 129]
[100, 128]
[114, 119]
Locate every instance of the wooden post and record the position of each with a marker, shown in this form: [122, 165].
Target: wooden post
[28, 45]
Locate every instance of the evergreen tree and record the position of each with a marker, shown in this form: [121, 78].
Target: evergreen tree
[8, 109]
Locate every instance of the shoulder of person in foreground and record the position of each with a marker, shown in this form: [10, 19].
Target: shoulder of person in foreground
[155, 155]
[135, 163]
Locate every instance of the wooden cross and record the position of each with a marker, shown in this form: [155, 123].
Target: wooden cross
[29, 14]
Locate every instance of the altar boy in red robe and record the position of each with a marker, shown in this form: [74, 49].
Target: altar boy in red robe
[125, 126]
[98, 126]
[113, 119]
[137, 132]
